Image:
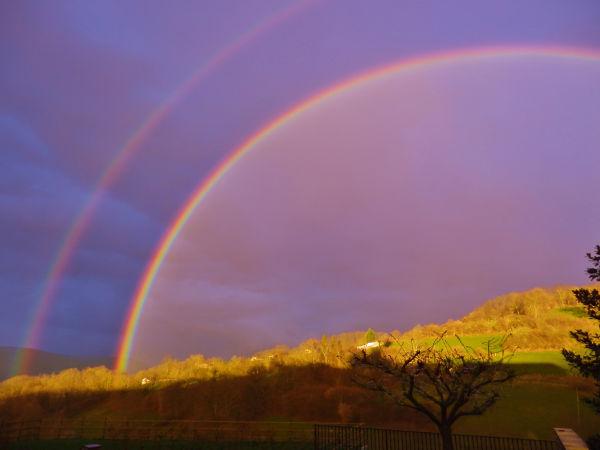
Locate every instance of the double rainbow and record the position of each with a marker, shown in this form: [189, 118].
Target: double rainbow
[82, 222]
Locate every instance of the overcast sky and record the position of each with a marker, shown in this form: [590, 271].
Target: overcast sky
[389, 197]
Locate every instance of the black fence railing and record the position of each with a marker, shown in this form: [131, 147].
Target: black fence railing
[193, 434]
[342, 437]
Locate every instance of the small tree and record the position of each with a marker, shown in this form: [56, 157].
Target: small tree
[370, 335]
[588, 363]
[441, 382]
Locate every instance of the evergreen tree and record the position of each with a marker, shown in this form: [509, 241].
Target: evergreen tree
[370, 335]
[588, 363]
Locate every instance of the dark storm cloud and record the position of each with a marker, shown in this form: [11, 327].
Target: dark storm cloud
[37, 203]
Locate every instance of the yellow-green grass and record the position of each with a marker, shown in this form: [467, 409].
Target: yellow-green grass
[544, 363]
[473, 341]
[549, 362]
[577, 311]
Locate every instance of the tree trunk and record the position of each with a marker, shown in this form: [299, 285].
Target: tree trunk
[446, 433]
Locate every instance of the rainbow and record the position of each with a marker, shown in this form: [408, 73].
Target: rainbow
[207, 184]
[119, 163]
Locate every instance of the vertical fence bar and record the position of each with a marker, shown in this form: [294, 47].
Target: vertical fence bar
[347, 435]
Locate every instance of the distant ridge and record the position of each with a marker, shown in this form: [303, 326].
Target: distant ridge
[46, 362]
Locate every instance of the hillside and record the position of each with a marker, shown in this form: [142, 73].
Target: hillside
[537, 319]
[310, 382]
[46, 362]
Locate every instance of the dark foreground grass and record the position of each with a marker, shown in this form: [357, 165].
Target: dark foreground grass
[76, 444]
[531, 408]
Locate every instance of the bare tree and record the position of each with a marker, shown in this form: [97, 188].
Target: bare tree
[440, 381]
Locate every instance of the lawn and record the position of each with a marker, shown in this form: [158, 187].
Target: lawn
[544, 363]
[533, 407]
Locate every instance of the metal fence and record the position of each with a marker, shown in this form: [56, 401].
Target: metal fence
[192, 434]
[338, 437]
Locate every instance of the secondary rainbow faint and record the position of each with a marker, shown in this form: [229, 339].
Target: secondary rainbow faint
[208, 183]
[119, 163]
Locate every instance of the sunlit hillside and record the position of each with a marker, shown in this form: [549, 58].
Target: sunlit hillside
[537, 319]
[310, 382]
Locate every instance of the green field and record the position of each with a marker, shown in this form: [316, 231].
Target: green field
[473, 341]
[576, 311]
[549, 362]
[533, 409]
[544, 363]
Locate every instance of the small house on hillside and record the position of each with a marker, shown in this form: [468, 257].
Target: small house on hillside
[368, 345]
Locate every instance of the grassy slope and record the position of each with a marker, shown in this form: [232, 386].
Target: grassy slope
[536, 323]
[534, 405]
[538, 319]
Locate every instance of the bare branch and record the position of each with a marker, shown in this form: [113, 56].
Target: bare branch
[440, 381]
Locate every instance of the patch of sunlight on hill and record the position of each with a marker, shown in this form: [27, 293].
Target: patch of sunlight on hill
[544, 363]
[474, 341]
[577, 311]
[537, 320]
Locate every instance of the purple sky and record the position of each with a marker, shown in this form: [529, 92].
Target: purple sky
[78, 79]
[407, 200]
